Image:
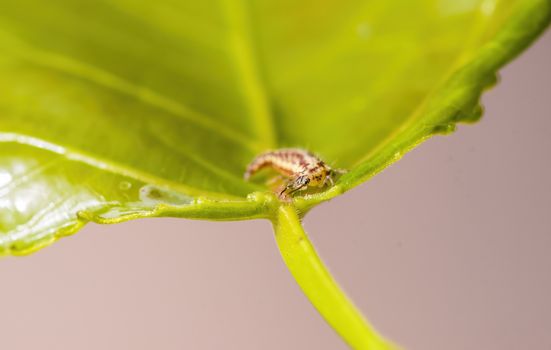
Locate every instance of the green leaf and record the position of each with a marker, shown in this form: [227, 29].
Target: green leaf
[120, 109]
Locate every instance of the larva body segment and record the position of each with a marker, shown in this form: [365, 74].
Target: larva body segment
[287, 162]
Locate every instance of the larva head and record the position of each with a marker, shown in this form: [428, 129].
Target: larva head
[298, 184]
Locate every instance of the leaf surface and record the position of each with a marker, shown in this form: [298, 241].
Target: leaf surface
[119, 109]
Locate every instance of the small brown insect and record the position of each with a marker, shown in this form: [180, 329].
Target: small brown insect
[300, 167]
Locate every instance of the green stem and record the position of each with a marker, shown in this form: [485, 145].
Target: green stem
[318, 285]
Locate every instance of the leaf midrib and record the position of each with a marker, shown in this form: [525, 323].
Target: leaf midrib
[256, 94]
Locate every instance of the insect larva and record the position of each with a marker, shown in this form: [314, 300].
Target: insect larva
[302, 169]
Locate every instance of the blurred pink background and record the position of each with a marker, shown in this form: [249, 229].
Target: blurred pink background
[450, 248]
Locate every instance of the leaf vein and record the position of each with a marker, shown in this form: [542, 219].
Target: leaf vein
[108, 165]
[145, 95]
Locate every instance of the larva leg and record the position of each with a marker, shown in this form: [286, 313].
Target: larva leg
[274, 180]
[329, 178]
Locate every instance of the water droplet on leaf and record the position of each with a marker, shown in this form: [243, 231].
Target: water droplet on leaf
[150, 194]
[125, 185]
